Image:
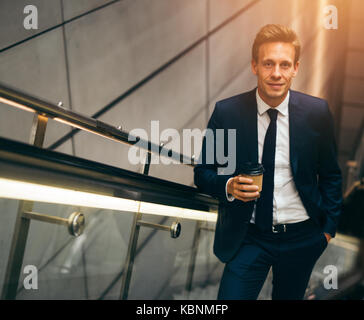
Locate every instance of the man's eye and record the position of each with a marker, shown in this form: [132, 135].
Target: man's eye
[267, 64]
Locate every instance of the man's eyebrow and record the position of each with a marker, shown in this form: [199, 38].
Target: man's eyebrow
[280, 63]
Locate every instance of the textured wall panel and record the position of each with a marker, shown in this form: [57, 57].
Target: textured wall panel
[353, 90]
[74, 8]
[351, 116]
[355, 64]
[130, 39]
[38, 68]
[356, 39]
[12, 17]
[172, 98]
[220, 11]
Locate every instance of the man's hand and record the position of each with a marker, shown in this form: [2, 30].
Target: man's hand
[328, 236]
[242, 188]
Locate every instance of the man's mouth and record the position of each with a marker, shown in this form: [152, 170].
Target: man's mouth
[276, 85]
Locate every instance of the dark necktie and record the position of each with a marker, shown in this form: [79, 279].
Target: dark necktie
[264, 208]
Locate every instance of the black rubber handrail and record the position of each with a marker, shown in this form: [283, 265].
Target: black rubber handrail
[20, 160]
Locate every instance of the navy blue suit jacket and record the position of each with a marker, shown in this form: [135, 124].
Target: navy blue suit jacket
[313, 159]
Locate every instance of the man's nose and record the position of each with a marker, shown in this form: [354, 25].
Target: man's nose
[276, 73]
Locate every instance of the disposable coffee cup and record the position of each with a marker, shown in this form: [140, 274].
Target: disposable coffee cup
[253, 171]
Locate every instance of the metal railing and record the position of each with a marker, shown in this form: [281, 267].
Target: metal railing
[48, 110]
[16, 154]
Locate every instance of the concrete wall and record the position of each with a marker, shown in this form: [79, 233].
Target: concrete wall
[88, 53]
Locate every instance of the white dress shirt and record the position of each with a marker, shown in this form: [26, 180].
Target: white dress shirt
[287, 204]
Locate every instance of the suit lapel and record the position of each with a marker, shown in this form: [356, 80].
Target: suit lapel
[296, 131]
[250, 126]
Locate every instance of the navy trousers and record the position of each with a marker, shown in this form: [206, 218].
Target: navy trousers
[292, 256]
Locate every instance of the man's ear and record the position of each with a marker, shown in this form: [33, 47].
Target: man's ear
[295, 70]
[254, 66]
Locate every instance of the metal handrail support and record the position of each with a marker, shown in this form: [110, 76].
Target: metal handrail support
[75, 223]
[174, 229]
[192, 262]
[130, 255]
[129, 262]
[191, 265]
[22, 224]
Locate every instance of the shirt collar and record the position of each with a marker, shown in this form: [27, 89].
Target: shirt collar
[263, 107]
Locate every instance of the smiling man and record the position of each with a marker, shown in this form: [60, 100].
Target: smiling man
[275, 69]
[287, 225]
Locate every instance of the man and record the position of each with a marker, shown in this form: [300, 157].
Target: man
[288, 224]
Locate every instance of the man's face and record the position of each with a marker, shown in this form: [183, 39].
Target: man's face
[275, 69]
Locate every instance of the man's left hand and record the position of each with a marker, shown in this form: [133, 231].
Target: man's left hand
[328, 236]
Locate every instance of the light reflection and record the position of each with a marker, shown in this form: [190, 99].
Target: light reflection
[20, 190]
[15, 104]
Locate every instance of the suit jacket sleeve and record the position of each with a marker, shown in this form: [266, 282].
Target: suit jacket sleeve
[329, 173]
[206, 177]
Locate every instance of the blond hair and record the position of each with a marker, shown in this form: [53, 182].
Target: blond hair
[275, 33]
